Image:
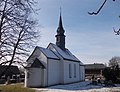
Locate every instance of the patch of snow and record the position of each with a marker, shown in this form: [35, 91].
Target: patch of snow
[79, 87]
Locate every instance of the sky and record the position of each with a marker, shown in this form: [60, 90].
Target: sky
[90, 38]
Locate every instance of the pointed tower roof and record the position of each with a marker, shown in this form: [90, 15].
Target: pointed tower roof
[60, 29]
[60, 22]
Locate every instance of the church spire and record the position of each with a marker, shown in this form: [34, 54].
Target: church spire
[60, 37]
[60, 26]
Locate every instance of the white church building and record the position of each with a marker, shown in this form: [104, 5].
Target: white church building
[53, 65]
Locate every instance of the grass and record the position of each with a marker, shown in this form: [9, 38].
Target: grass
[15, 88]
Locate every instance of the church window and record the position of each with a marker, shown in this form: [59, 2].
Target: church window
[74, 70]
[57, 39]
[70, 73]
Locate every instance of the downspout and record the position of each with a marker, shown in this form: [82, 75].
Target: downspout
[79, 73]
[47, 71]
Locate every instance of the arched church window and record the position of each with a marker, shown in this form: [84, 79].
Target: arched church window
[70, 72]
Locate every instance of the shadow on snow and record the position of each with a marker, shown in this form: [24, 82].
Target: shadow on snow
[77, 86]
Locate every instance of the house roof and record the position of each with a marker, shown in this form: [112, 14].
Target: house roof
[94, 66]
[11, 70]
[65, 54]
[48, 53]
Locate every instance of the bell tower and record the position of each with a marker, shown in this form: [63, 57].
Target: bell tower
[60, 37]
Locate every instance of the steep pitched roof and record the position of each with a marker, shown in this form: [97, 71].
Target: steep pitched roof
[48, 53]
[65, 54]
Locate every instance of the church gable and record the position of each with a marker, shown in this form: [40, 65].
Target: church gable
[32, 57]
[37, 64]
[40, 53]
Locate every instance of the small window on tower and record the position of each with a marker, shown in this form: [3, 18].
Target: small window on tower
[57, 39]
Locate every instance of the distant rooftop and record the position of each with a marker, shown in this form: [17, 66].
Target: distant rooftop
[95, 66]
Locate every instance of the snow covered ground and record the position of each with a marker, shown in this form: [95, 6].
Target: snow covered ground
[79, 87]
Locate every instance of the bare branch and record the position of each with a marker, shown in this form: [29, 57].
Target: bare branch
[116, 32]
[95, 13]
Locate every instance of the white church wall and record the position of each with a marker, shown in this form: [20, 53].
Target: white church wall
[71, 71]
[45, 78]
[32, 79]
[53, 72]
[82, 73]
[61, 70]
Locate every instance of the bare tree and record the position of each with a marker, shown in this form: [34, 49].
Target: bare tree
[114, 62]
[17, 30]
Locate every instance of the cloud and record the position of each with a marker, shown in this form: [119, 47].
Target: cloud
[94, 46]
